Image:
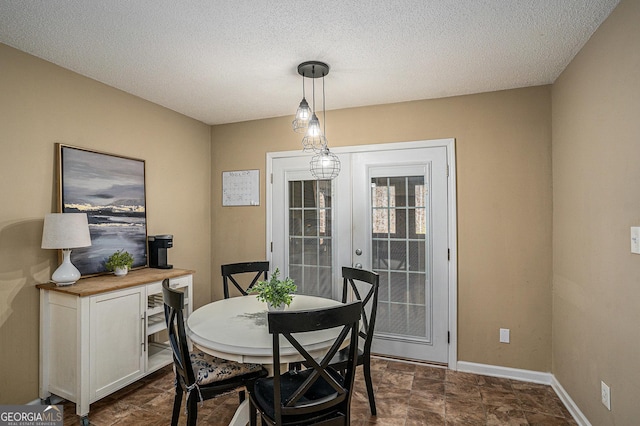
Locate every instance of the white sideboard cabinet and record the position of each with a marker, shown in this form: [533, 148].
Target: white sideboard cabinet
[103, 333]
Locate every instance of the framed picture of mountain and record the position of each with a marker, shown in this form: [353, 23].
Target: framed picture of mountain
[110, 189]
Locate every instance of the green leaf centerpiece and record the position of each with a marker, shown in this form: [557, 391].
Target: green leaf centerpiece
[275, 292]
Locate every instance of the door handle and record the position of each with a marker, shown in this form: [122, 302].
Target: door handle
[358, 265]
[358, 252]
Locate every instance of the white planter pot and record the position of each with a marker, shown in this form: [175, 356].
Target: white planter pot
[121, 271]
[273, 308]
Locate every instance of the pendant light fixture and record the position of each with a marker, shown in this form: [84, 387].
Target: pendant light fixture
[324, 165]
[303, 114]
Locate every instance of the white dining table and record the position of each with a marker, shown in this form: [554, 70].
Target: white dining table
[236, 329]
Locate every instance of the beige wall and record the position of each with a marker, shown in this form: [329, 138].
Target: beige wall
[42, 104]
[596, 181]
[503, 143]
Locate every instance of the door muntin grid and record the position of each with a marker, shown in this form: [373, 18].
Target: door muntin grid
[400, 216]
[310, 237]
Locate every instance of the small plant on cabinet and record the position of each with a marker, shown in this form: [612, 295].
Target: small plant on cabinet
[119, 262]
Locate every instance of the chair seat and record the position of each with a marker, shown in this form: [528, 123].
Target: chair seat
[342, 357]
[289, 383]
[210, 369]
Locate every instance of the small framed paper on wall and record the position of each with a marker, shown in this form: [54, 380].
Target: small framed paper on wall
[241, 188]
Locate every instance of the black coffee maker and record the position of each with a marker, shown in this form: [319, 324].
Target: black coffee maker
[158, 245]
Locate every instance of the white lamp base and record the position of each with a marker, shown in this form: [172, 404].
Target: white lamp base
[66, 274]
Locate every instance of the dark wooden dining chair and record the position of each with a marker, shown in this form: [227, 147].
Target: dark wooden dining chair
[232, 271]
[364, 286]
[199, 375]
[318, 394]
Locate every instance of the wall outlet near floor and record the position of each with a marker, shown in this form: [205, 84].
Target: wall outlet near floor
[605, 392]
[504, 335]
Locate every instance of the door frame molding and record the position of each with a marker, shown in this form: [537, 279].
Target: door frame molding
[452, 215]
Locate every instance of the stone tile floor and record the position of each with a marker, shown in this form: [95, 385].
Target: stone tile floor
[406, 394]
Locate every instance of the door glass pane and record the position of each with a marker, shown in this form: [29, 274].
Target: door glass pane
[398, 255]
[324, 254]
[310, 251]
[295, 223]
[399, 191]
[401, 223]
[400, 218]
[382, 201]
[295, 252]
[310, 222]
[295, 194]
[310, 236]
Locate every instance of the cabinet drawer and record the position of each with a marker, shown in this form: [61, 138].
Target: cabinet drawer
[180, 282]
[154, 288]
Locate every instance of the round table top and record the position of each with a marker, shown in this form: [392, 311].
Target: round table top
[236, 329]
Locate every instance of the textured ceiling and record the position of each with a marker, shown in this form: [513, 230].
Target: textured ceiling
[223, 61]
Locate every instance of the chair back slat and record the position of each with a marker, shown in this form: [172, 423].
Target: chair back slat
[232, 271]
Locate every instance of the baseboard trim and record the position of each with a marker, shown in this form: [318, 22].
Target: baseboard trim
[527, 376]
[578, 416]
[506, 372]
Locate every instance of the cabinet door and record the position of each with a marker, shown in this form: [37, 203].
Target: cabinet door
[117, 340]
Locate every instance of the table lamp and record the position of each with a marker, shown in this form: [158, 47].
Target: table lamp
[65, 231]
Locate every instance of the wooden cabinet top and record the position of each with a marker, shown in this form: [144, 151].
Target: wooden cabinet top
[105, 283]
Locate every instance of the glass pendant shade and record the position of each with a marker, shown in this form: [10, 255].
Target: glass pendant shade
[313, 130]
[303, 114]
[325, 165]
[313, 140]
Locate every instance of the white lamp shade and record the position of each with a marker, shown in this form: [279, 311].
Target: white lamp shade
[65, 231]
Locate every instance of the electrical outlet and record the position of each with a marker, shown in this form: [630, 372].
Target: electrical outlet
[605, 392]
[635, 239]
[504, 335]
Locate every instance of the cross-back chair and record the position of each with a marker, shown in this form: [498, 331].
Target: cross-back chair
[231, 272]
[199, 375]
[363, 285]
[318, 394]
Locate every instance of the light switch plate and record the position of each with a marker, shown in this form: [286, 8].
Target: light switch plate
[635, 239]
[606, 395]
[504, 335]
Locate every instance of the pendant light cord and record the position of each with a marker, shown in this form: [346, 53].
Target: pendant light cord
[313, 85]
[324, 111]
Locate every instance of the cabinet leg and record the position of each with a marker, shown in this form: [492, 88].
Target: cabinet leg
[84, 421]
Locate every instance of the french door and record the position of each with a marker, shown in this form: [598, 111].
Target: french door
[387, 211]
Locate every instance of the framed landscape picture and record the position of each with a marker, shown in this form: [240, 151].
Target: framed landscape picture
[110, 189]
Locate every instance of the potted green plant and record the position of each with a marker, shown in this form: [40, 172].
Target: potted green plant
[275, 292]
[119, 262]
